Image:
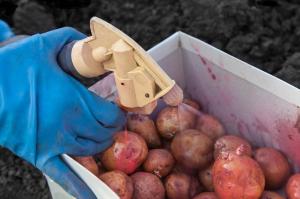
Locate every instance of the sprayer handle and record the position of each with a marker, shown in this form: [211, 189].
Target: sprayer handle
[66, 62]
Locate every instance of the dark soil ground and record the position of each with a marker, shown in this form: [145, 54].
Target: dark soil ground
[265, 33]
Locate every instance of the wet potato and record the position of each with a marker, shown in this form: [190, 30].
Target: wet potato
[127, 153]
[171, 120]
[237, 176]
[159, 162]
[181, 186]
[147, 186]
[230, 143]
[192, 149]
[145, 127]
[275, 166]
[119, 182]
[89, 163]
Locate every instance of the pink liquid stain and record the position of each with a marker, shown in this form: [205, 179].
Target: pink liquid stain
[243, 128]
[289, 138]
[233, 116]
[260, 126]
[204, 62]
[221, 61]
[123, 154]
[226, 97]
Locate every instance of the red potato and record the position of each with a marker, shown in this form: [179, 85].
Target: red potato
[211, 126]
[275, 166]
[181, 186]
[205, 177]
[159, 162]
[145, 127]
[119, 182]
[237, 176]
[192, 149]
[230, 143]
[147, 186]
[127, 153]
[271, 195]
[171, 120]
[292, 188]
[191, 103]
[89, 163]
[206, 195]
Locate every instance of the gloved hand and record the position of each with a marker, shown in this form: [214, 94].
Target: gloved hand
[5, 31]
[44, 112]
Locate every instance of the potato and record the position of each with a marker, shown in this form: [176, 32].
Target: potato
[159, 162]
[230, 143]
[275, 166]
[237, 176]
[127, 153]
[181, 186]
[191, 103]
[192, 149]
[206, 195]
[211, 126]
[147, 186]
[145, 127]
[271, 195]
[89, 163]
[119, 182]
[292, 188]
[171, 120]
[205, 177]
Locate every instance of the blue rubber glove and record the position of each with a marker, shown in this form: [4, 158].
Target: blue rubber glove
[45, 113]
[5, 31]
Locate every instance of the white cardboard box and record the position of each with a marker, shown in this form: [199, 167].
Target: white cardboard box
[248, 101]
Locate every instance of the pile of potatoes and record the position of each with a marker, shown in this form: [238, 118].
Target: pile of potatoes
[186, 154]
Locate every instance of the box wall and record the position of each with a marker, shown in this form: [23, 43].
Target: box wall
[248, 101]
[244, 98]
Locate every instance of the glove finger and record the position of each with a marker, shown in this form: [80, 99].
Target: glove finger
[107, 113]
[87, 147]
[5, 31]
[56, 39]
[92, 129]
[58, 171]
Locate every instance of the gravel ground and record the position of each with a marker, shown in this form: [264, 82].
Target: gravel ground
[264, 33]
